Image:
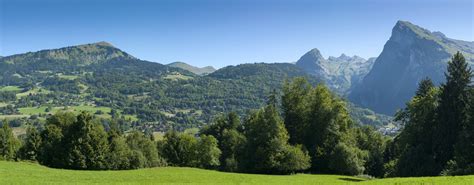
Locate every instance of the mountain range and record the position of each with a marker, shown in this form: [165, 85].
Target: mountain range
[339, 73]
[102, 77]
[385, 83]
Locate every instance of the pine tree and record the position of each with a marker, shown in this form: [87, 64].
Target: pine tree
[8, 143]
[463, 163]
[31, 146]
[415, 140]
[453, 110]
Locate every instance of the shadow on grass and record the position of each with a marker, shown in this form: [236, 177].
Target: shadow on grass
[350, 179]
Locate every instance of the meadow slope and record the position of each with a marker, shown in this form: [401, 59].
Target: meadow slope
[30, 173]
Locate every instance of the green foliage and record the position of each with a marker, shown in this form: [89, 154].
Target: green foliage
[374, 143]
[8, 143]
[463, 161]
[415, 141]
[437, 138]
[87, 144]
[267, 149]
[453, 112]
[347, 160]
[180, 149]
[207, 152]
[228, 132]
[120, 155]
[317, 119]
[31, 146]
[141, 145]
[81, 142]
[293, 105]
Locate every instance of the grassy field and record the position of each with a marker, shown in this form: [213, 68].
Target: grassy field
[28, 173]
[177, 77]
[33, 91]
[15, 116]
[42, 109]
[10, 88]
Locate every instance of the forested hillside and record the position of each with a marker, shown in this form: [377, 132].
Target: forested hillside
[110, 83]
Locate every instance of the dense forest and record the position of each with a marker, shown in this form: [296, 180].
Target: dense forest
[306, 128]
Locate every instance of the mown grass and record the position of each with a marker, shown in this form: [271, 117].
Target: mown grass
[29, 173]
[10, 88]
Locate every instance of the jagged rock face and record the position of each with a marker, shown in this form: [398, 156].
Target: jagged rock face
[411, 54]
[339, 73]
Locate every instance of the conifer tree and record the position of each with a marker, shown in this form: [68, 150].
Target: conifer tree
[31, 146]
[463, 162]
[453, 110]
[415, 140]
[8, 143]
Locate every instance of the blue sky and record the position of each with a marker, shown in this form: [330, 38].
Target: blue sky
[219, 32]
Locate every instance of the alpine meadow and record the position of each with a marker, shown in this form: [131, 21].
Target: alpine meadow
[236, 92]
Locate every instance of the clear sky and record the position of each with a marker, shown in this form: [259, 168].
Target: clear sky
[224, 32]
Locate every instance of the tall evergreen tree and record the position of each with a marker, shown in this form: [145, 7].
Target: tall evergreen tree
[416, 156]
[31, 146]
[463, 162]
[8, 143]
[453, 110]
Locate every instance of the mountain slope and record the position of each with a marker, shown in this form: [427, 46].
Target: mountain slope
[193, 69]
[152, 96]
[339, 73]
[78, 55]
[411, 53]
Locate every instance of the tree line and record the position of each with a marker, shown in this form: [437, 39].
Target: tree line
[438, 137]
[305, 129]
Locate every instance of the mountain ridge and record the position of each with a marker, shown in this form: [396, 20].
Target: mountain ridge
[196, 70]
[339, 73]
[411, 54]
